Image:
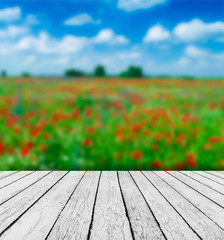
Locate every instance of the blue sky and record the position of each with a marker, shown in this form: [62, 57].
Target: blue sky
[175, 37]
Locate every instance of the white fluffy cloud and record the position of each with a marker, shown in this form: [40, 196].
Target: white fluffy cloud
[198, 30]
[157, 33]
[132, 5]
[205, 58]
[69, 44]
[13, 31]
[195, 30]
[196, 52]
[10, 14]
[45, 44]
[81, 19]
[108, 36]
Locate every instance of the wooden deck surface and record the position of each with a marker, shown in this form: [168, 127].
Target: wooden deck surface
[111, 205]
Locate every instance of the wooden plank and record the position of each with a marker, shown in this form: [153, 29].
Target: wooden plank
[18, 186]
[209, 183]
[171, 223]
[212, 210]
[203, 189]
[156, 205]
[142, 220]
[74, 221]
[13, 178]
[201, 224]
[4, 174]
[18, 205]
[110, 220]
[37, 222]
[217, 174]
[211, 177]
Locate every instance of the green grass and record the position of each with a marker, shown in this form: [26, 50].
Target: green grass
[115, 125]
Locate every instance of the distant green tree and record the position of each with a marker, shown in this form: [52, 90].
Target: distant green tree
[74, 73]
[26, 75]
[132, 72]
[189, 78]
[4, 73]
[100, 71]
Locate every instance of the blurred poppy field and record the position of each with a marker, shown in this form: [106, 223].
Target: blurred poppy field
[101, 124]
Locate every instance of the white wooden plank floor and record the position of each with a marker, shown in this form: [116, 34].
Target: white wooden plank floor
[111, 205]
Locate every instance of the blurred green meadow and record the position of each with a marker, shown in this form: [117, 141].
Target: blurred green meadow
[111, 124]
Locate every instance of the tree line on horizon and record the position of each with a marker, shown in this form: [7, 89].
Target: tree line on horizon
[100, 72]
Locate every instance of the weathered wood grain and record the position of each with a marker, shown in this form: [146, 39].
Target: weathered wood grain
[6, 174]
[201, 224]
[37, 222]
[212, 210]
[207, 182]
[141, 217]
[110, 220]
[203, 189]
[171, 223]
[211, 177]
[217, 174]
[111, 205]
[13, 178]
[11, 210]
[18, 186]
[74, 221]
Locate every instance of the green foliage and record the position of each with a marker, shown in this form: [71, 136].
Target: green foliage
[123, 125]
[4, 73]
[189, 78]
[100, 71]
[74, 73]
[132, 72]
[26, 75]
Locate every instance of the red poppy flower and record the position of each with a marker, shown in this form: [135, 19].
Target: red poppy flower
[155, 147]
[208, 146]
[119, 136]
[146, 132]
[30, 144]
[88, 113]
[180, 166]
[75, 114]
[191, 160]
[25, 151]
[117, 156]
[2, 148]
[17, 130]
[88, 142]
[158, 137]
[36, 131]
[136, 155]
[11, 150]
[46, 135]
[215, 139]
[169, 135]
[156, 164]
[90, 130]
[136, 128]
[180, 139]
